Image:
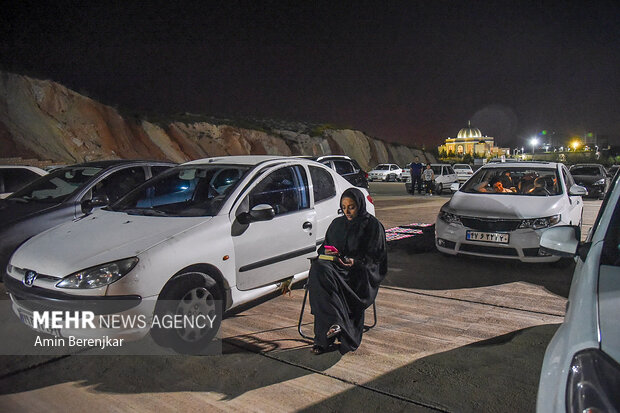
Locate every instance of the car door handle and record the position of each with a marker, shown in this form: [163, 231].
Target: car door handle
[307, 225]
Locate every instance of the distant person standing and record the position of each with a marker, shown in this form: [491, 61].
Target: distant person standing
[416, 175]
[428, 176]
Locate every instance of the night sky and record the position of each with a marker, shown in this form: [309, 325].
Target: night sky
[408, 72]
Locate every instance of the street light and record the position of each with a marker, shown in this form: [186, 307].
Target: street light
[533, 142]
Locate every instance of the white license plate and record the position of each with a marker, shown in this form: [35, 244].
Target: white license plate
[26, 318]
[488, 237]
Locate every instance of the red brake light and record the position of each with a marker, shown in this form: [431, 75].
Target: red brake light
[366, 173]
[370, 199]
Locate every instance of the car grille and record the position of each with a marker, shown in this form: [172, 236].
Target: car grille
[483, 224]
[483, 249]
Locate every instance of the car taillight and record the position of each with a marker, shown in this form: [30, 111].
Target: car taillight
[366, 173]
[370, 199]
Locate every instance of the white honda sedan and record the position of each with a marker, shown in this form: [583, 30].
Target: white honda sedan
[503, 209]
[228, 229]
[581, 368]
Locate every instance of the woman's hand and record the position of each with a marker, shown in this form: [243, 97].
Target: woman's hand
[348, 263]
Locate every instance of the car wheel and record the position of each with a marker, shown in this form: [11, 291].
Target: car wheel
[439, 189]
[190, 294]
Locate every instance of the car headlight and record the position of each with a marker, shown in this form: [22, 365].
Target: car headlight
[538, 223]
[98, 276]
[449, 218]
[593, 383]
[600, 182]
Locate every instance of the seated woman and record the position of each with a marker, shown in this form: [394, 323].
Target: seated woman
[341, 290]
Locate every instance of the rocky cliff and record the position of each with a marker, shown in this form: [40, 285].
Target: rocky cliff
[45, 120]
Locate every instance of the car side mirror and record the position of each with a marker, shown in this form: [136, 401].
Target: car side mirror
[577, 190]
[89, 204]
[562, 241]
[261, 212]
[455, 186]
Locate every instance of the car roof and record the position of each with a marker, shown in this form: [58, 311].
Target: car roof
[32, 168]
[114, 162]
[587, 164]
[533, 164]
[239, 159]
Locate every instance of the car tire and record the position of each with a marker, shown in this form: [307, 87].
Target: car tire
[439, 189]
[189, 293]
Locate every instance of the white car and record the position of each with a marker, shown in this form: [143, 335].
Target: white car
[479, 220]
[463, 171]
[227, 229]
[385, 172]
[15, 177]
[581, 368]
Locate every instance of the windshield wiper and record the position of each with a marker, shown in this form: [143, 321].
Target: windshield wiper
[145, 211]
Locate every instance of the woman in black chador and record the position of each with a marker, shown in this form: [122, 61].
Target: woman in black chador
[341, 290]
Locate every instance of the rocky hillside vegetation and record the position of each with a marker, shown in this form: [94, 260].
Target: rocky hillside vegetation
[45, 120]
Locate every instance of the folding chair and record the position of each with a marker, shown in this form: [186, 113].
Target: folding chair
[303, 306]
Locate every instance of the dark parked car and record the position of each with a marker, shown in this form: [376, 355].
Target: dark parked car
[593, 177]
[66, 194]
[345, 166]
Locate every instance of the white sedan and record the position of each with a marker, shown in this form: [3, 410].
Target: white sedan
[385, 172]
[504, 208]
[222, 230]
[463, 171]
[581, 368]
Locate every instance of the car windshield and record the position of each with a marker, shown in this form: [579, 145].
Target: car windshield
[382, 168]
[187, 191]
[585, 170]
[57, 186]
[466, 167]
[514, 181]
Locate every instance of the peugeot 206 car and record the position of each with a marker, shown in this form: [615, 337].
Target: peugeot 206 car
[581, 368]
[66, 194]
[504, 208]
[226, 230]
[385, 172]
[463, 171]
[444, 178]
[593, 177]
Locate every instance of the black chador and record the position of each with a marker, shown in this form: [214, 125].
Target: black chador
[340, 295]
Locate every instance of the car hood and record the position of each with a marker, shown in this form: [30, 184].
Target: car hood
[504, 206]
[586, 179]
[13, 211]
[102, 237]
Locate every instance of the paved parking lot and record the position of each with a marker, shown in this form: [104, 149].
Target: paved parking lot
[453, 334]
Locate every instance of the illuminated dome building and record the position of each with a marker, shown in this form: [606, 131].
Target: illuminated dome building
[469, 140]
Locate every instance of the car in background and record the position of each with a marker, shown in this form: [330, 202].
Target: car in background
[504, 208]
[444, 178]
[385, 172]
[593, 177]
[15, 177]
[66, 194]
[463, 171]
[581, 367]
[220, 230]
[612, 170]
[344, 165]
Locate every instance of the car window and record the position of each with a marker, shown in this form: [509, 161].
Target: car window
[184, 191]
[327, 163]
[322, 184]
[514, 181]
[586, 170]
[606, 200]
[343, 167]
[119, 183]
[285, 189]
[611, 244]
[16, 178]
[156, 170]
[57, 185]
[450, 170]
[436, 170]
[382, 168]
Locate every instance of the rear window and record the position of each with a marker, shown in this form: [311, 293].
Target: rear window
[586, 170]
[322, 184]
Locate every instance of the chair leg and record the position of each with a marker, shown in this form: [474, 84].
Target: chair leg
[303, 307]
[301, 315]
